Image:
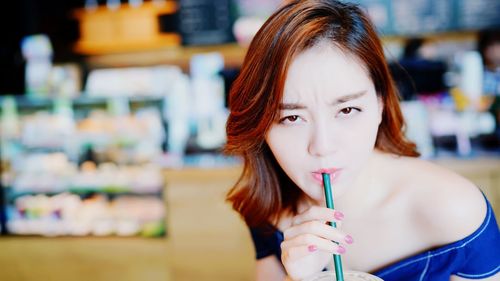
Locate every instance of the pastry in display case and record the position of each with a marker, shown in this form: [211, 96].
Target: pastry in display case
[82, 168]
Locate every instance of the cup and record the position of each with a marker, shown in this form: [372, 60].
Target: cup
[348, 276]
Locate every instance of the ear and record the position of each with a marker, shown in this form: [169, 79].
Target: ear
[380, 103]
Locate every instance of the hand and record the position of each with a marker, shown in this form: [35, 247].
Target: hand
[308, 243]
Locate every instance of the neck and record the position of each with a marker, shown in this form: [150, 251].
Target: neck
[367, 189]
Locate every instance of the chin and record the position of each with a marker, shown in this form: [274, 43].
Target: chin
[317, 197]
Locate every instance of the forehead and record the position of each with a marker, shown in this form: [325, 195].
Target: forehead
[325, 71]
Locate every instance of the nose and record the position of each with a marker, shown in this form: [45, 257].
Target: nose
[321, 141]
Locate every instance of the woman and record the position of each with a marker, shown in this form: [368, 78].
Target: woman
[315, 96]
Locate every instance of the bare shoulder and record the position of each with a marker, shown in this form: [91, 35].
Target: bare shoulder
[446, 205]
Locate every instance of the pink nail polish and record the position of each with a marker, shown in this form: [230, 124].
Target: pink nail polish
[338, 215]
[341, 250]
[312, 248]
[348, 239]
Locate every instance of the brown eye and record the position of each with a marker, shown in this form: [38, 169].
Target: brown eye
[349, 111]
[346, 110]
[289, 119]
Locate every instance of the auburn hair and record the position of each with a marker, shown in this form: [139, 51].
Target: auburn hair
[264, 191]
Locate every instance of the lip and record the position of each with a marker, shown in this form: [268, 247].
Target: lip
[333, 172]
[326, 171]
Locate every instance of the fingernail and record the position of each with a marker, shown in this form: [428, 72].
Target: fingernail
[341, 250]
[312, 248]
[338, 215]
[348, 239]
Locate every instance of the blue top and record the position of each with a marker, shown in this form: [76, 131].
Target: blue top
[474, 257]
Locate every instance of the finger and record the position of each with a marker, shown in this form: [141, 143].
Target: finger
[319, 229]
[318, 213]
[306, 244]
[297, 252]
[338, 224]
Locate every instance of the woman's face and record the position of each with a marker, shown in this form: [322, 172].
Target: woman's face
[328, 120]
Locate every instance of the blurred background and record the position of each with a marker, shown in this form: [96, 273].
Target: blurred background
[112, 118]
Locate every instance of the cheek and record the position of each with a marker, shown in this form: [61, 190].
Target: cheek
[286, 147]
[360, 135]
[283, 140]
[363, 125]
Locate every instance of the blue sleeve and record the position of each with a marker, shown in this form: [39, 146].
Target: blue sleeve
[482, 253]
[267, 242]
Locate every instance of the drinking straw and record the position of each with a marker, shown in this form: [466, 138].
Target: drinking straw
[329, 204]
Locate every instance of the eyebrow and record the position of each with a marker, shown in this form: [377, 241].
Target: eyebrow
[340, 100]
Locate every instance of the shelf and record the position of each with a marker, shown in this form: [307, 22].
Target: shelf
[233, 56]
[83, 99]
[46, 217]
[123, 200]
[11, 194]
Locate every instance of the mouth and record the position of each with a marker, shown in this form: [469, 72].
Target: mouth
[318, 174]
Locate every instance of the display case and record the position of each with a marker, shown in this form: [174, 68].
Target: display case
[86, 166]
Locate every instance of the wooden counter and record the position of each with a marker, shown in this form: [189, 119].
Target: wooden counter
[206, 240]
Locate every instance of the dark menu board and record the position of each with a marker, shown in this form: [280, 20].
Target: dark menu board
[413, 17]
[416, 16]
[203, 22]
[477, 14]
[380, 13]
